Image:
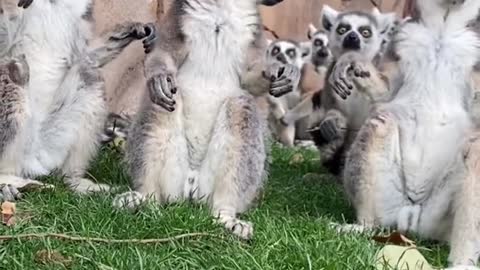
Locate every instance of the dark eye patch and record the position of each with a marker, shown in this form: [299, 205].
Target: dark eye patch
[365, 31]
[318, 43]
[291, 53]
[275, 50]
[343, 28]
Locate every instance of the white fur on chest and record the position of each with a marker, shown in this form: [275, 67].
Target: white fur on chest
[218, 36]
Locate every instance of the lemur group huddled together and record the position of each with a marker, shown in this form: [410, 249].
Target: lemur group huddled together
[199, 134]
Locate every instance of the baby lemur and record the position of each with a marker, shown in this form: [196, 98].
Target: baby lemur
[414, 165]
[199, 135]
[55, 110]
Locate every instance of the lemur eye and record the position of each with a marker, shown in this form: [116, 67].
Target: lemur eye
[275, 51]
[366, 32]
[342, 30]
[318, 42]
[291, 53]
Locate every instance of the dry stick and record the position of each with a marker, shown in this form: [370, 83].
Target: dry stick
[270, 31]
[103, 240]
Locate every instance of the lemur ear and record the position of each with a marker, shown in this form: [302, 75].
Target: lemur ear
[18, 70]
[269, 42]
[385, 20]
[311, 31]
[328, 17]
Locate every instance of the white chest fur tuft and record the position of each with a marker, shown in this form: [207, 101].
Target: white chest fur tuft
[218, 34]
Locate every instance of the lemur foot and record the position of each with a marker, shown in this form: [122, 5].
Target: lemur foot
[351, 228]
[129, 200]
[284, 78]
[240, 228]
[162, 88]
[12, 187]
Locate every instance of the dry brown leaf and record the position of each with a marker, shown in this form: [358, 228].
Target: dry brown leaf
[46, 257]
[395, 238]
[8, 212]
[297, 159]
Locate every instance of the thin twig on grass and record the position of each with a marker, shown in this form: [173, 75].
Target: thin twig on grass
[103, 240]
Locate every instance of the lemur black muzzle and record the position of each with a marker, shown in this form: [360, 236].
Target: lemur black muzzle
[271, 2]
[352, 41]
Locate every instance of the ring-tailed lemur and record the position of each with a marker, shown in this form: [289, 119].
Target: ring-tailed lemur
[59, 112]
[199, 135]
[340, 119]
[415, 164]
[286, 52]
[320, 56]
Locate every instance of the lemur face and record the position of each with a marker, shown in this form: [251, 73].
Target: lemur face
[14, 70]
[355, 30]
[320, 53]
[287, 52]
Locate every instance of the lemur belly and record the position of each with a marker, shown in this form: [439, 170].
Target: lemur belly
[47, 42]
[218, 35]
[430, 145]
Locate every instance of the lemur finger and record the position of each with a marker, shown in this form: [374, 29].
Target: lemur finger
[172, 83]
[341, 90]
[284, 81]
[25, 3]
[165, 85]
[158, 96]
[346, 83]
[278, 92]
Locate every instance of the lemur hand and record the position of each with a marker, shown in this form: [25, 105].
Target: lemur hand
[151, 37]
[284, 78]
[24, 3]
[136, 30]
[349, 74]
[162, 88]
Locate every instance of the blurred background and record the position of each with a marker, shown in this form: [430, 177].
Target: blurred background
[289, 19]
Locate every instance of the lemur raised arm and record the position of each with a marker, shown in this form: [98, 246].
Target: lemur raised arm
[414, 165]
[199, 135]
[55, 115]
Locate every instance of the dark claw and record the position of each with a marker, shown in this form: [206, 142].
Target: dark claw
[25, 3]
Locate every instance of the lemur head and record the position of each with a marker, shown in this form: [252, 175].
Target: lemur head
[356, 30]
[287, 52]
[14, 70]
[320, 53]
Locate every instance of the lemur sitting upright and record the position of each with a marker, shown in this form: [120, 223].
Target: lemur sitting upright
[51, 73]
[285, 51]
[352, 31]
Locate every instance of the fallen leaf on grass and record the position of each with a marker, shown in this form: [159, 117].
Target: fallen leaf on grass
[395, 238]
[47, 257]
[401, 258]
[8, 213]
[297, 159]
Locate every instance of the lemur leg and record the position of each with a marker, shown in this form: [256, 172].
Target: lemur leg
[157, 158]
[465, 238]
[287, 134]
[372, 172]
[236, 161]
[329, 134]
[13, 116]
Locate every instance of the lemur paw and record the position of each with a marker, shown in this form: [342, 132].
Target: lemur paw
[284, 78]
[129, 200]
[162, 88]
[240, 228]
[9, 193]
[339, 80]
[24, 3]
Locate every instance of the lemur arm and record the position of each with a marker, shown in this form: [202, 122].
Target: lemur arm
[252, 78]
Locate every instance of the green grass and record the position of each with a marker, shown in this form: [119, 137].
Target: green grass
[291, 227]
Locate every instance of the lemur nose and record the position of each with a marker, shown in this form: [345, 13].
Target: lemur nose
[322, 53]
[351, 41]
[281, 58]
